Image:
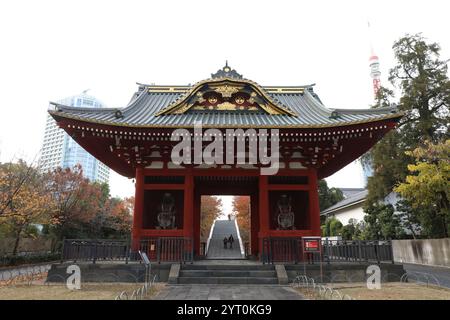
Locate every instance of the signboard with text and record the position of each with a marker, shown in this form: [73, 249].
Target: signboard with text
[312, 244]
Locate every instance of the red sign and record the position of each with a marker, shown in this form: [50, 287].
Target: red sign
[311, 244]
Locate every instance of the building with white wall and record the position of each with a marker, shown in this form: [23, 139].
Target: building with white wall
[349, 208]
[60, 150]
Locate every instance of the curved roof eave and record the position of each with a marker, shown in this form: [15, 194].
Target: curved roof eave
[56, 113]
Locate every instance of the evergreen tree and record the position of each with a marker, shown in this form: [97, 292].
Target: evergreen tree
[328, 196]
[421, 78]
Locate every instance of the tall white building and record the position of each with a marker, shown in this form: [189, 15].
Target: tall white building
[60, 150]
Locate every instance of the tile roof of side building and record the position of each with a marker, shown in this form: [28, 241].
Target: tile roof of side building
[348, 192]
[355, 198]
[302, 106]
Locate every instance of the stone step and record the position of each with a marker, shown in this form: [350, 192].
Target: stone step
[227, 280]
[228, 273]
[227, 267]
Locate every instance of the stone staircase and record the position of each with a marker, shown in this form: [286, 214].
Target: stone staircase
[216, 250]
[227, 274]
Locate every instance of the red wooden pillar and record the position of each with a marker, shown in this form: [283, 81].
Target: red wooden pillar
[138, 209]
[314, 209]
[188, 218]
[197, 220]
[254, 222]
[263, 200]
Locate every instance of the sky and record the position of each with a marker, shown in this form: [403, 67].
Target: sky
[54, 49]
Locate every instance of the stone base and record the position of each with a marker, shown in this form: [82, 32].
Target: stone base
[344, 272]
[109, 272]
[239, 269]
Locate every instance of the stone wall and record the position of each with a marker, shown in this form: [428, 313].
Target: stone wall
[109, 271]
[435, 252]
[345, 272]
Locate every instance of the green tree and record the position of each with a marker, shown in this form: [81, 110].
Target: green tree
[352, 230]
[421, 78]
[328, 196]
[409, 218]
[381, 223]
[332, 227]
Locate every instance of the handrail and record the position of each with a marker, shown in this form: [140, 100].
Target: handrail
[241, 245]
[210, 236]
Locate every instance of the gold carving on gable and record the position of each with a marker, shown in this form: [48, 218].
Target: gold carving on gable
[227, 90]
[226, 95]
[226, 106]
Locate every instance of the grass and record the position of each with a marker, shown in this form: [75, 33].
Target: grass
[88, 291]
[388, 291]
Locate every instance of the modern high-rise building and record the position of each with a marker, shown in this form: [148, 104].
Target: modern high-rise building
[60, 150]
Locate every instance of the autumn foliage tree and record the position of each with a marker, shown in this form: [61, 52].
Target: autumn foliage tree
[62, 203]
[241, 209]
[26, 205]
[74, 200]
[427, 187]
[211, 208]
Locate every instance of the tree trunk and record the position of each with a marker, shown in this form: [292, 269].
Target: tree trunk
[16, 243]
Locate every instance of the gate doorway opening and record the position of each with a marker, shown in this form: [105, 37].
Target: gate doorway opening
[244, 186]
[225, 218]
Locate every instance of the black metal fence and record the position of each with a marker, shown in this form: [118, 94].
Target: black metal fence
[180, 249]
[162, 249]
[357, 251]
[168, 249]
[278, 249]
[96, 249]
[289, 250]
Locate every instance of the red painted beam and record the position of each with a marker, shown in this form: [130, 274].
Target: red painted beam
[164, 186]
[290, 233]
[287, 187]
[161, 233]
[221, 172]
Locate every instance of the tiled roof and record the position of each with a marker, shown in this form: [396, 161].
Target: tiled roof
[351, 200]
[141, 111]
[295, 106]
[348, 192]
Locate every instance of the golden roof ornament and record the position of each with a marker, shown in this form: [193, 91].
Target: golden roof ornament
[226, 72]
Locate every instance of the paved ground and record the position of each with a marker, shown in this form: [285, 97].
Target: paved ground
[228, 292]
[441, 274]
